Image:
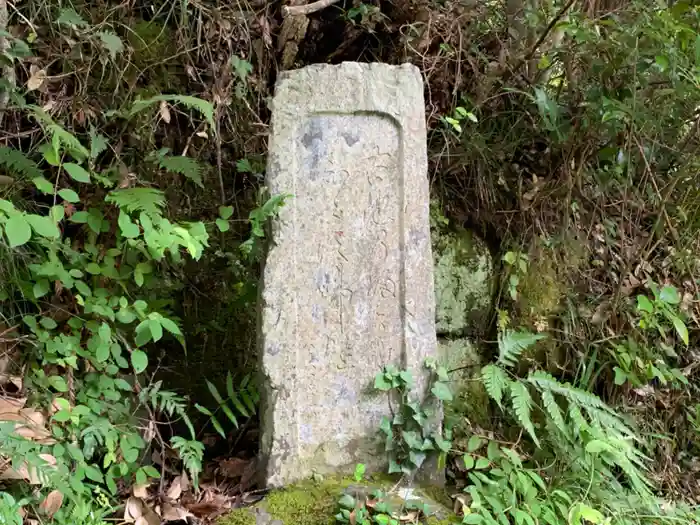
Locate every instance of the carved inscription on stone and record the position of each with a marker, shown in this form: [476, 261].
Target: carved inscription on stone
[347, 284]
[355, 269]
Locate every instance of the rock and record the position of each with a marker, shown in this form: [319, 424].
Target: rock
[348, 281]
[464, 282]
[459, 354]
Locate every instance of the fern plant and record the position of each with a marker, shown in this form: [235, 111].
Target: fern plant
[241, 402]
[577, 424]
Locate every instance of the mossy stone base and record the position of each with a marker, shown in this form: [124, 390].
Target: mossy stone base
[316, 503]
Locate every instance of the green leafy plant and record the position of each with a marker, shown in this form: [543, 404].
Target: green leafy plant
[241, 402]
[258, 218]
[517, 264]
[662, 309]
[411, 433]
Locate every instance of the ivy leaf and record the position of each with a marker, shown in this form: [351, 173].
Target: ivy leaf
[77, 172]
[441, 391]
[111, 43]
[225, 212]
[58, 383]
[17, 230]
[43, 226]
[139, 360]
[69, 195]
[222, 225]
[381, 382]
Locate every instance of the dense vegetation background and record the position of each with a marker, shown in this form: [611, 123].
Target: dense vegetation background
[132, 148]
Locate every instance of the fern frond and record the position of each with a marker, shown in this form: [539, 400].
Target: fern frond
[577, 419]
[511, 344]
[59, 135]
[204, 107]
[147, 200]
[18, 163]
[522, 403]
[555, 413]
[191, 453]
[186, 166]
[584, 399]
[495, 382]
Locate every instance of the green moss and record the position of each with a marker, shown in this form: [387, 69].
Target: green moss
[307, 503]
[315, 503]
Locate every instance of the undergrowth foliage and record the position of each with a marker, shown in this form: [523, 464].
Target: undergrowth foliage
[91, 252]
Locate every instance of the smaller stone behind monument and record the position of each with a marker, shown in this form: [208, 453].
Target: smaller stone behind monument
[348, 281]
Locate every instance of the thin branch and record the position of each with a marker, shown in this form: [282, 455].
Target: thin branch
[294, 10]
[544, 35]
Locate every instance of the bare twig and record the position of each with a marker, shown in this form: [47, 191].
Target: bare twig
[294, 10]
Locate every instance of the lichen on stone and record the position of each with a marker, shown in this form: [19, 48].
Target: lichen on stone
[464, 277]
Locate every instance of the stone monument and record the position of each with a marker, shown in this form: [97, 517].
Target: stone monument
[348, 281]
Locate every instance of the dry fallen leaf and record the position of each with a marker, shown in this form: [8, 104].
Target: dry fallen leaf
[175, 490]
[52, 503]
[140, 491]
[174, 512]
[133, 509]
[164, 111]
[233, 467]
[36, 80]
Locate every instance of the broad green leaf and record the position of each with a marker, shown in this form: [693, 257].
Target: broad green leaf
[77, 172]
[468, 461]
[381, 382]
[80, 217]
[225, 212]
[441, 391]
[139, 360]
[43, 185]
[57, 213]
[670, 295]
[170, 326]
[156, 329]
[61, 416]
[474, 443]
[222, 225]
[644, 304]
[681, 329]
[69, 195]
[102, 353]
[17, 230]
[41, 288]
[43, 226]
[151, 471]
[58, 383]
[347, 501]
[481, 463]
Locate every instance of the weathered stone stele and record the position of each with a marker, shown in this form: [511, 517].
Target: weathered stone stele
[348, 281]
